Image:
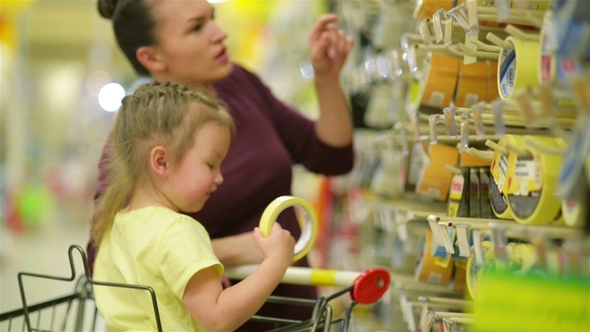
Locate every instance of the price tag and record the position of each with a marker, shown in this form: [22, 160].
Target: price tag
[448, 36]
[500, 242]
[526, 109]
[503, 9]
[449, 113]
[386, 221]
[476, 111]
[428, 321]
[472, 15]
[498, 109]
[446, 232]
[432, 122]
[424, 317]
[469, 59]
[437, 23]
[447, 325]
[436, 236]
[401, 220]
[463, 240]
[407, 309]
[464, 136]
[424, 30]
[477, 247]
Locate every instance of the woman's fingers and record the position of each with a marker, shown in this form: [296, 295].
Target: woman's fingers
[321, 24]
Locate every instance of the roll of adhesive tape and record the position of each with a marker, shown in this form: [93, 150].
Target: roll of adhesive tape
[500, 170]
[517, 66]
[533, 185]
[492, 88]
[309, 224]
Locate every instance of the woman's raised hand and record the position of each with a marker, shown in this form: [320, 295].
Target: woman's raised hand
[329, 47]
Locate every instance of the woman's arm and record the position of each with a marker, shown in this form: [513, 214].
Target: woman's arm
[329, 48]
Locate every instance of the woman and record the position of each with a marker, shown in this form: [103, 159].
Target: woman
[178, 41]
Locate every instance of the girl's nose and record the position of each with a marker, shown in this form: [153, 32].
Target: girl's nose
[219, 179]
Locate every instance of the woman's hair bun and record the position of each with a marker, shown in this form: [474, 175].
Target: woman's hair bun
[106, 8]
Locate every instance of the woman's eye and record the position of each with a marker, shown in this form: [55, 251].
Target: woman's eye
[198, 27]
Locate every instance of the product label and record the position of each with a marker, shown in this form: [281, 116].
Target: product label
[457, 187]
[508, 72]
[527, 177]
[566, 68]
[498, 169]
[436, 99]
[471, 99]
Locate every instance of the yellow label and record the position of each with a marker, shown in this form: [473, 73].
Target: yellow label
[453, 209]
[527, 176]
[457, 187]
[499, 169]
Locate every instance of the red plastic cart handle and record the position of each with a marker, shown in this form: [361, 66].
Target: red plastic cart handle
[370, 286]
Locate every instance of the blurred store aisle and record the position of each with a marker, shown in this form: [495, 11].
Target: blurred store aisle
[42, 250]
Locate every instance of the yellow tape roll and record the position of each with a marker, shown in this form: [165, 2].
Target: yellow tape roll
[517, 66]
[309, 227]
[492, 89]
[532, 194]
[501, 169]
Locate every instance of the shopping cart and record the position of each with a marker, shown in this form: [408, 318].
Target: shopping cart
[77, 311]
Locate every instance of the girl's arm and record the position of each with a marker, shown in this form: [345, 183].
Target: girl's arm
[219, 309]
[237, 250]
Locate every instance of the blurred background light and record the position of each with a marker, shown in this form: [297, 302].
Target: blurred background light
[110, 97]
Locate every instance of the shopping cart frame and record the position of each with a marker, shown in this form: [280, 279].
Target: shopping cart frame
[322, 317]
[83, 292]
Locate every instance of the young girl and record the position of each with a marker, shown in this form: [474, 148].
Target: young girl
[167, 146]
[180, 41]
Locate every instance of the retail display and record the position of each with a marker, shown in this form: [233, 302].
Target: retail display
[487, 205]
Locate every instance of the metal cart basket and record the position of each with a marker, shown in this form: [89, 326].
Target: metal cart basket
[77, 311]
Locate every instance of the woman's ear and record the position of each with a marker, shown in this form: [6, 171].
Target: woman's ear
[150, 59]
[160, 161]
